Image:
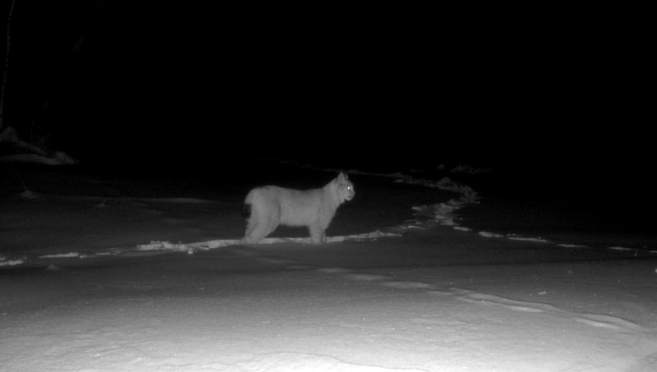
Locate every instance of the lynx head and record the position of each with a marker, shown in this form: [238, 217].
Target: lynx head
[345, 188]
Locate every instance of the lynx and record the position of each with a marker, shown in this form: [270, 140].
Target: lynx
[269, 206]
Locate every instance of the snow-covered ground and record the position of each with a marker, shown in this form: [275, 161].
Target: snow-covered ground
[124, 275]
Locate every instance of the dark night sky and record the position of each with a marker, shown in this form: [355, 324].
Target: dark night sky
[417, 86]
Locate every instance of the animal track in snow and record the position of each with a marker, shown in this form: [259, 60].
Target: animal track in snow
[408, 285]
[301, 267]
[305, 362]
[595, 320]
[366, 277]
[277, 261]
[606, 321]
[333, 270]
[531, 307]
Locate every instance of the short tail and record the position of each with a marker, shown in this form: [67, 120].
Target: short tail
[246, 210]
[248, 203]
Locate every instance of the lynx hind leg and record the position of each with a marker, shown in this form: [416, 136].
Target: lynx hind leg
[256, 232]
[261, 223]
[317, 235]
[249, 236]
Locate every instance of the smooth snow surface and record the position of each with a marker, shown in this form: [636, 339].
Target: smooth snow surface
[438, 300]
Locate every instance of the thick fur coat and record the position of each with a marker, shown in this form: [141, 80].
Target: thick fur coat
[269, 206]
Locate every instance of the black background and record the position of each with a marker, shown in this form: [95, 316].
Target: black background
[558, 90]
